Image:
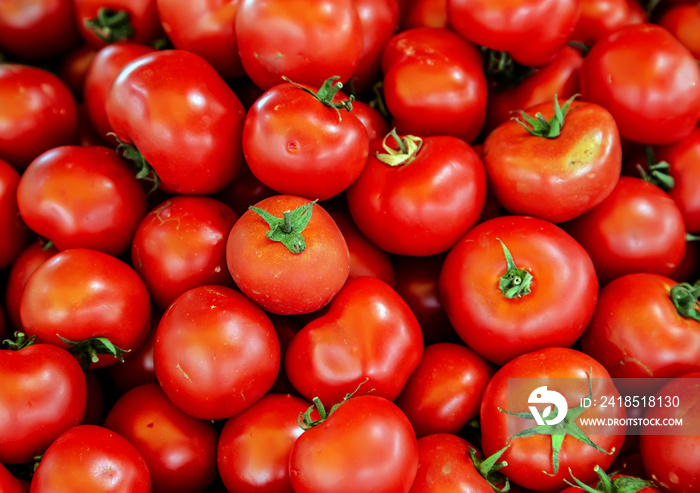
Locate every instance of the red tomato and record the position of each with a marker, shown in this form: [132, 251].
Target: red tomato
[532, 31]
[543, 296]
[182, 118]
[300, 141]
[421, 198]
[82, 197]
[369, 332]
[424, 13]
[37, 29]
[372, 119]
[9, 483]
[638, 332]
[647, 80]
[246, 190]
[444, 391]
[206, 29]
[434, 84]
[74, 68]
[14, 233]
[38, 113]
[104, 69]
[102, 22]
[43, 394]
[91, 458]
[255, 445]
[365, 445]
[301, 278]
[683, 21]
[637, 228]
[554, 178]
[601, 17]
[81, 295]
[242, 352]
[181, 244]
[180, 450]
[542, 461]
[304, 40]
[671, 455]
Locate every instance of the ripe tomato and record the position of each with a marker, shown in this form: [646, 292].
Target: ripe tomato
[86, 296]
[637, 228]
[543, 296]
[15, 234]
[91, 458]
[683, 21]
[601, 17]
[180, 450]
[543, 460]
[369, 332]
[300, 141]
[43, 394]
[421, 198]
[637, 331]
[434, 84]
[365, 445]
[423, 13]
[444, 391]
[647, 80]
[181, 244]
[38, 113]
[9, 483]
[242, 352]
[82, 197]
[568, 166]
[300, 278]
[304, 40]
[255, 445]
[74, 67]
[138, 367]
[182, 118]
[532, 31]
[103, 22]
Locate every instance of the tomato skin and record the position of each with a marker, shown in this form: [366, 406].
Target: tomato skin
[424, 13]
[37, 30]
[601, 17]
[434, 84]
[637, 228]
[532, 31]
[206, 29]
[182, 117]
[444, 466]
[181, 244]
[255, 445]
[91, 458]
[39, 114]
[47, 380]
[304, 40]
[636, 331]
[80, 294]
[444, 391]
[16, 236]
[74, 67]
[424, 206]
[683, 21]
[9, 483]
[530, 458]
[366, 445]
[243, 353]
[556, 179]
[556, 311]
[138, 367]
[654, 95]
[375, 124]
[368, 331]
[82, 197]
[279, 281]
[180, 450]
[143, 17]
[296, 145]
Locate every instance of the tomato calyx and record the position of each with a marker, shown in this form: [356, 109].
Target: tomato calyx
[621, 484]
[656, 173]
[488, 468]
[288, 228]
[111, 25]
[326, 93]
[305, 421]
[560, 430]
[144, 170]
[88, 350]
[21, 341]
[503, 70]
[408, 147]
[515, 282]
[539, 126]
[685, 298]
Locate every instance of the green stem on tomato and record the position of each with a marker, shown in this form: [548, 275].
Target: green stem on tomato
[89, 350]
[304, 420]
[326, 93]
[685, 298]
[541, 127]
[606, 484]
[288, 228]
[111, 25]
[408, 148]
[21, 341]
[515, 282]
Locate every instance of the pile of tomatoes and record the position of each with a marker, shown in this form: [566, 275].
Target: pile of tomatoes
[349, 246]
